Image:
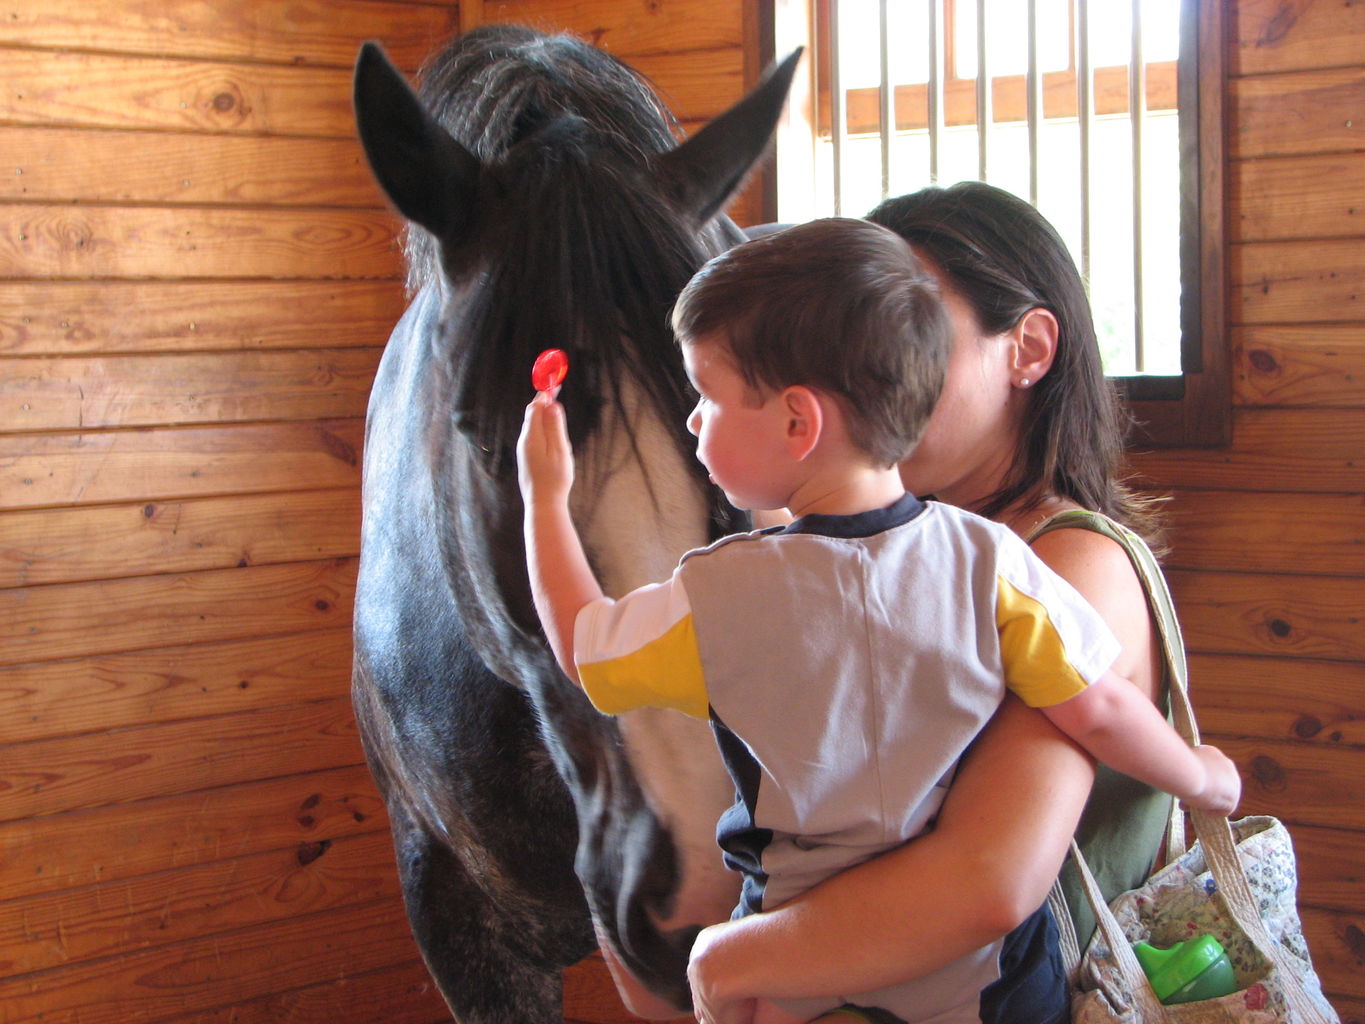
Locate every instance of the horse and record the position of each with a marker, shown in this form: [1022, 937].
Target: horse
[550, 204]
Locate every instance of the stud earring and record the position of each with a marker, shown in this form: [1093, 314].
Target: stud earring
[1024, 382]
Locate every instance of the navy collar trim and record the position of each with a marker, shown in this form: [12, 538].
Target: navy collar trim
[862, 524]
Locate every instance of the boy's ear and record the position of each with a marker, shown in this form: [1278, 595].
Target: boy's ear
[804, 420]
[1035, 346]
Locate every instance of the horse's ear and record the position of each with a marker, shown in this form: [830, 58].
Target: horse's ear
[429, 176]
[707, 169]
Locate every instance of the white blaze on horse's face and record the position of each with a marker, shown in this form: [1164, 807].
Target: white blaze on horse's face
[636, 523]
[640, 513]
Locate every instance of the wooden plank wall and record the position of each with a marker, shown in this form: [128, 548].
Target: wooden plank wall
[187, 832]
[196, 281]
[1268, 560]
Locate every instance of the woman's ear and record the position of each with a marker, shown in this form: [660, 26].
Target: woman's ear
[804, 416]
[1035, 346]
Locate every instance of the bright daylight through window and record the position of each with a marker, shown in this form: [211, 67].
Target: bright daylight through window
[1104, 167]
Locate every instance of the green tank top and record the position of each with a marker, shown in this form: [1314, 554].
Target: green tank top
[1124, 821]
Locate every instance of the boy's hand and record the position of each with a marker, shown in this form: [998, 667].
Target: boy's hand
[545, 468]
[1222, 786]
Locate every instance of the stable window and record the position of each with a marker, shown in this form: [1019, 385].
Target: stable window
[1104, 114]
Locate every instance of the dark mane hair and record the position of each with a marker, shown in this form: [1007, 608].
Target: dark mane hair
[497, 85]
[576, 246]
[1004, 258]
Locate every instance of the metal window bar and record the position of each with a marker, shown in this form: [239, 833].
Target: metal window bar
[935, 91]
[1085, 120]
[887, 94]
[836, 108]
[1137, 111]
[1034, 84]
[983, 95]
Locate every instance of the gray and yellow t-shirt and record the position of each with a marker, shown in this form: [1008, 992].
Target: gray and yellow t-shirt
[846, 662]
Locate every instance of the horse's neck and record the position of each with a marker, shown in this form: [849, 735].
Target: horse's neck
[637, 513]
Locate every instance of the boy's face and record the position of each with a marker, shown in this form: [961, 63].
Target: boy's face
[739, 434]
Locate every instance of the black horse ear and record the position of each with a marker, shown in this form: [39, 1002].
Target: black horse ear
[429, 176]
[707, 169]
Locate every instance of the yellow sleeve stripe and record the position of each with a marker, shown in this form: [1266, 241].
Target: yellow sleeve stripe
[665, 672]
[1034, 656]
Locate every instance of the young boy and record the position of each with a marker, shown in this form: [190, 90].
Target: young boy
[846, 660]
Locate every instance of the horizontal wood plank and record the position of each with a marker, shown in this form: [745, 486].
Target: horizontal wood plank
[1297, 282]
[41, 241]
[1290, 616]
[73, 773]
[103, 91]
[90, 393]
[1331, 874]
[1299, 783]
[1350, 1007]
[112, 541]
[628, 28]
[122, 841]
[1293, 35]
[38, 470]
[1299, 366]
[72, 620]
[1296, 197]
[398, 995]
[178, 168]
[1296, 113]
[182, 905]
[216, 971]
[1246, 531]
[1336, 942]
[89, 90]
[1301, 450]
[696, 85]
[590, 994]
[312, 32]
[116, 691]
[1292, 699]
[79, 317]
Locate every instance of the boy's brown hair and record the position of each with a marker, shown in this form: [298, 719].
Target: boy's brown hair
[838, 305]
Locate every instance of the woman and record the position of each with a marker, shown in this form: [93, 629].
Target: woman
[1027, 428]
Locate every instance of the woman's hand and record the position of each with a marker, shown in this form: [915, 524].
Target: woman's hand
[706, 974]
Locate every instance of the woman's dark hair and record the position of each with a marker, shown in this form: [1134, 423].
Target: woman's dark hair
[1004, 259]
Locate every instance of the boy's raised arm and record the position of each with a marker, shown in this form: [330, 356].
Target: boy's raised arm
[562, 581]
[1120, 727]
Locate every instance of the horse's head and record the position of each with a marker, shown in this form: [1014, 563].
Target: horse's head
[552, 205]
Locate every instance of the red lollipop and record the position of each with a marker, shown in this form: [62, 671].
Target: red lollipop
[550, 369]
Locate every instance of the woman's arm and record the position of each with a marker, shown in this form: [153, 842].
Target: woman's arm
[989, 862]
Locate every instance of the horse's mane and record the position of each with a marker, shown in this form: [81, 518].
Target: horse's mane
[497, 85]
[577, 248]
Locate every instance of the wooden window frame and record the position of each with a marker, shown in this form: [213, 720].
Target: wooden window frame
[1193, 409]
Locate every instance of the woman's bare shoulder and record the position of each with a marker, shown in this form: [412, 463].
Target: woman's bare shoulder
[1099, 568]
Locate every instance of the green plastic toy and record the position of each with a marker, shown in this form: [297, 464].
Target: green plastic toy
[1188, 971]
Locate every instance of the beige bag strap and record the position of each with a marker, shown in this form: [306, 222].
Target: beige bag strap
[1168, 632]
[1214, 832]
[1147, 1007]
